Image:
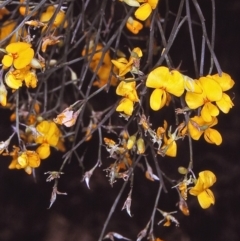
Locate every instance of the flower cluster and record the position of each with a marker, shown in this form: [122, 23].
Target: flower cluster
[127, 87]
[160, 105]
[120, 168]
[211, 89]
[48, 135]
[19, 59]
[144, 10]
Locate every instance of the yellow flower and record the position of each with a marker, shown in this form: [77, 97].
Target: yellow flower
[164, 81]
[225, 104]
[19, 54]
[31, 79]
[197, 126]
[28, 158]
[59, 19]
[211, 91]
[170, 146]
[48, 133]
[43, 150]
[24, 160]
[133, 25]
[201, 189]
[144, 11]
[23, 9]
[125, 106]
[128, 90]
[123, 65]
[12, 81]
[132, 65]
[14, 155]
[226, 83]
[14, 78]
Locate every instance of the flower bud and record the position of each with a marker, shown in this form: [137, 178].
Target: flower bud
[131, 142]
[182, 170]
[140, 146]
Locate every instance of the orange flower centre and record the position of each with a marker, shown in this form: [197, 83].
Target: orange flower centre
[15, 55]
[206, 100]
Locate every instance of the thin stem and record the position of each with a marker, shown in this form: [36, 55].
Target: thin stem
[210, 47]
[213, 32]
[202, 56]
[117, 200]
[192, 38]
[23, 21]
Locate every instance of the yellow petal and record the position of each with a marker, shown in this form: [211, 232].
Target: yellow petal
[31, 80]
[175, 84]
[194, 125]
[225, 104]
[153, 3]
[17, 47]
[194, 100]
[171, 148]
[127, 89]
[24, 59]
[28, 170]
[198, 188]
[158, 99]
[212, 136]
[134, 26]
[225, 81]
[191, 85]
[7, 60]
[206, 198]
[211, 88]
[43, 127]
[125, 106]
[158, 78]
[208, 178]
[208, 111]
[12, 82]
[136, 52]
[123, 65]
[23, 160]
[43, 151]
[33, 159]
[53, 134]
[143, 12]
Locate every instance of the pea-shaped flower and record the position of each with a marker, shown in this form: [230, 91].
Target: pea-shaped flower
[201, 189]
[164, 81]
[19, 55]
